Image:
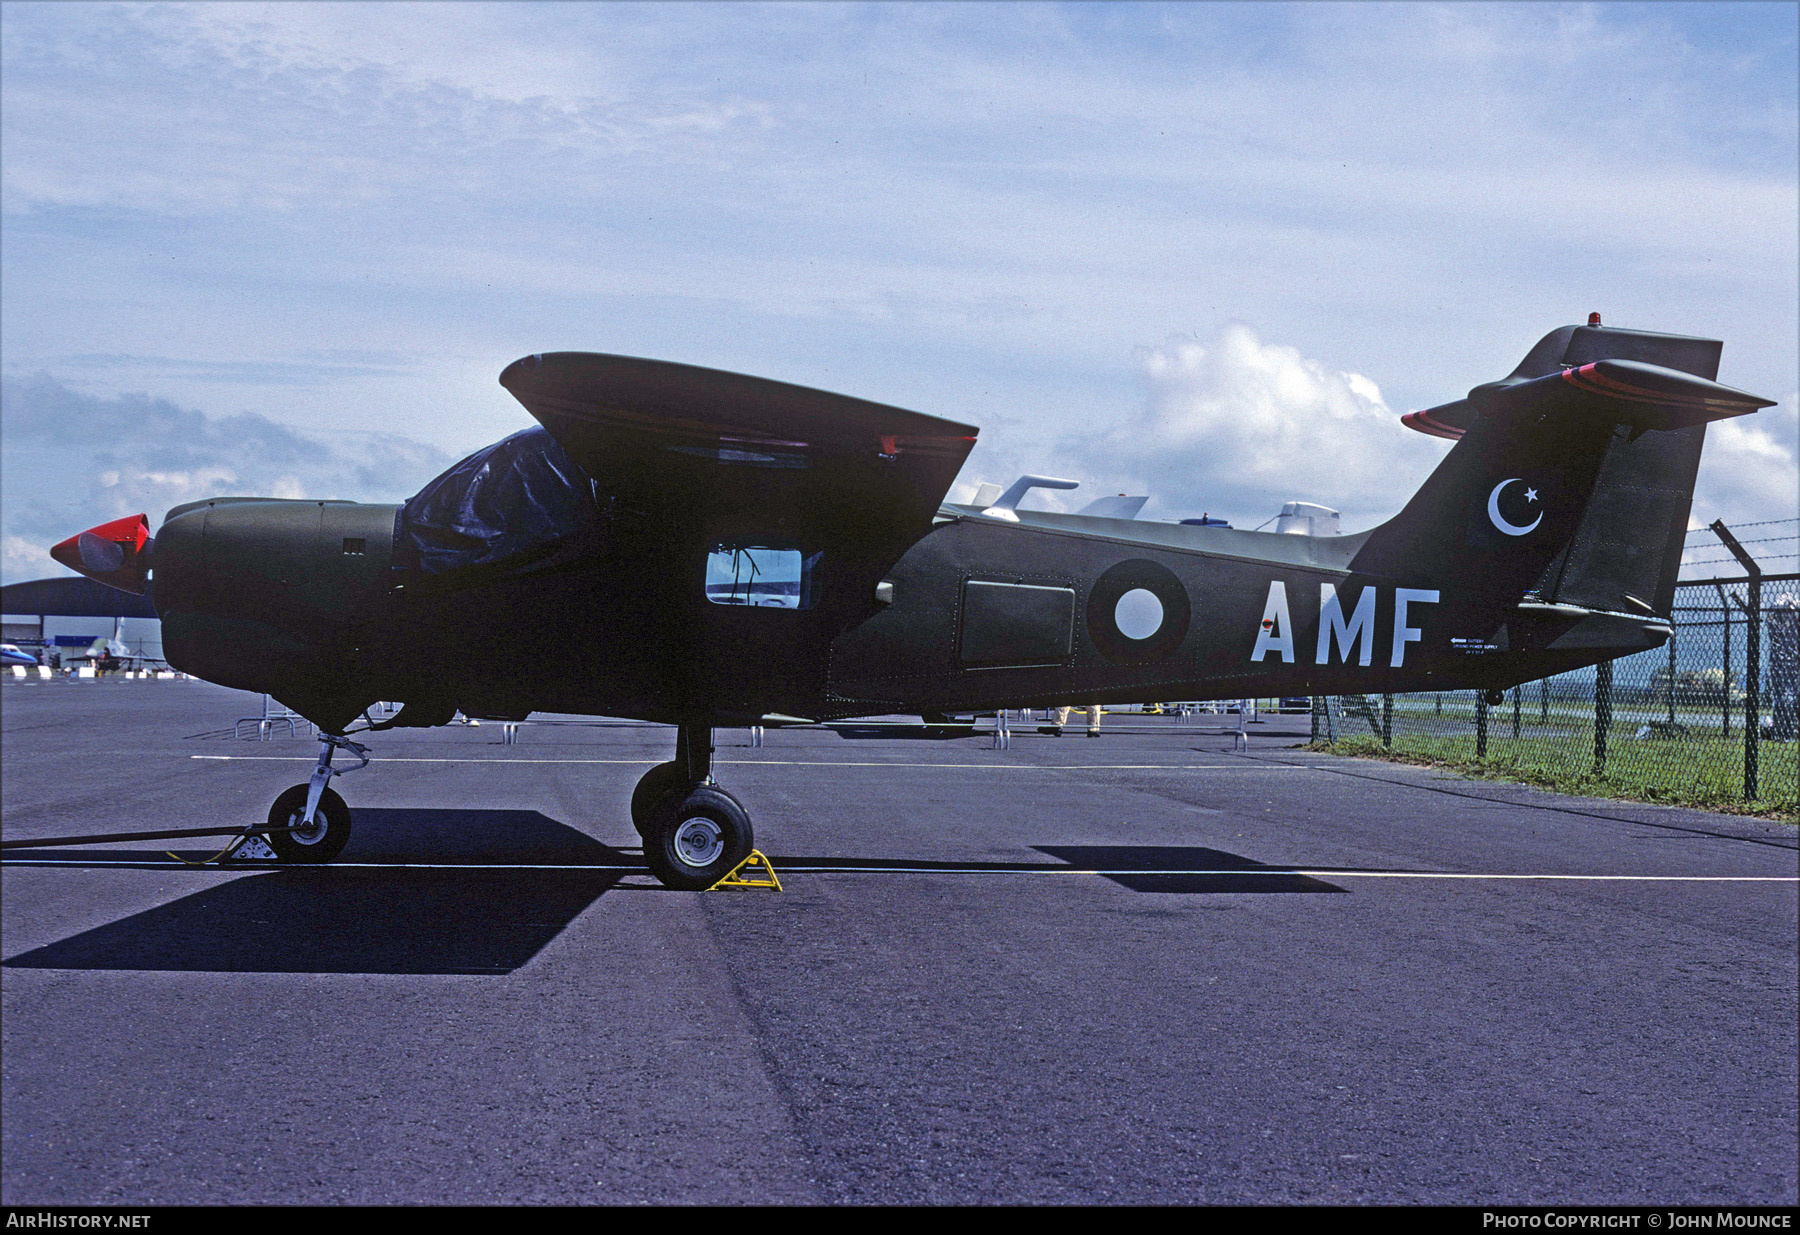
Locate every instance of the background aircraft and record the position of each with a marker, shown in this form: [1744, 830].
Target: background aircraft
[731, 547]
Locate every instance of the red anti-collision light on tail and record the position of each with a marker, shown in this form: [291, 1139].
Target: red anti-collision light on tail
[116, 553]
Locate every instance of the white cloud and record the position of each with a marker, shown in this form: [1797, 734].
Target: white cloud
[25, 557]
[971, 210]
[70, 460]
[1750, 478]
[1749, 470]
[1238, 425]
[133, 490]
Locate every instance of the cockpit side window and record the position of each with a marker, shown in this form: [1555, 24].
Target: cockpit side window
[759, 574]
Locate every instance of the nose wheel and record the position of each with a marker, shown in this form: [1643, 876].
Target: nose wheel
[310, 823]
[694, 832]
[316, 840]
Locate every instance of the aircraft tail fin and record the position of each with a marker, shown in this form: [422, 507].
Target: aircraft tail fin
[1571, 478]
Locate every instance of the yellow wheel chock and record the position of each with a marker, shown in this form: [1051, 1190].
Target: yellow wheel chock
[735, 877]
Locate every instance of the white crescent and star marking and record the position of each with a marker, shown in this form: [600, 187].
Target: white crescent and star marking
[1499, 521]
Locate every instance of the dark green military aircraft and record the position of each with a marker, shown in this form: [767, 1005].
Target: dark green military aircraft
[728, 548]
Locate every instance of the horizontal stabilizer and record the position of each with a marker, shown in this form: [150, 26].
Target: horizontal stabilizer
[1645, 396]
[1449, 420]
[1635, 377]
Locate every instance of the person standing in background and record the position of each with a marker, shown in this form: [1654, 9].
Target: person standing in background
[1055, 728]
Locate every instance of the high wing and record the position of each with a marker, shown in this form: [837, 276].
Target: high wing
[729, 454]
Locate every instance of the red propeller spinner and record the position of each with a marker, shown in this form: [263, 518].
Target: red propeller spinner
[117, 553]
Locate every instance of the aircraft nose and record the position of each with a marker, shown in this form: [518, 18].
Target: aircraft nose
[116, 553]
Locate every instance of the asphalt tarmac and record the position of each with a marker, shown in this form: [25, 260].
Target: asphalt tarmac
[1141, 968]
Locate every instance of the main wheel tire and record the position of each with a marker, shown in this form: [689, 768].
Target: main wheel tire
[652, 787]
[693, 839]
[319, 843]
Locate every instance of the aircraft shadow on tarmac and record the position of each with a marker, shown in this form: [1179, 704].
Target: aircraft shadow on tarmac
[394, 917]
[1184, 868]
[343, 919]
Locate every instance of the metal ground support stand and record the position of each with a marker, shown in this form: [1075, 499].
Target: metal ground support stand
[509, 732]
[322, 774]
[1240, 737]
[756, 738]
[1002, 731]
[265, 724]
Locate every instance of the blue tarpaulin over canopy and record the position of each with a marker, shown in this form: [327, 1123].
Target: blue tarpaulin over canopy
[514, 501]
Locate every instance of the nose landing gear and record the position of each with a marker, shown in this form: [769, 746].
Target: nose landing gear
[694, 832]
[313, 821]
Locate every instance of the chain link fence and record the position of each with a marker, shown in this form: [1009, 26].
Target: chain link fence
[1707, 719]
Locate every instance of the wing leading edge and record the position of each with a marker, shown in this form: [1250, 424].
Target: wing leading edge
[641, 426]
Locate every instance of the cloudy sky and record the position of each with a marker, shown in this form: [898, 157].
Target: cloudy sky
[1208, 252]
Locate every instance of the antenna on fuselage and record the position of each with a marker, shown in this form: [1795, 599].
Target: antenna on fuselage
[1004, 508]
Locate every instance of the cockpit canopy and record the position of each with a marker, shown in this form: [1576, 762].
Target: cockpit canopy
[516, 505]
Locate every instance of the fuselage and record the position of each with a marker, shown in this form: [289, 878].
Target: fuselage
[683, 544]
[304, 600]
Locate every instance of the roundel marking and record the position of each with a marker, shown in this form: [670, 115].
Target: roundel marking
[1499, 520]
[1137, 612]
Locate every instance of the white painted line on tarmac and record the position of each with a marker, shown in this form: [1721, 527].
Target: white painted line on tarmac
[811, 763]
[922, 870]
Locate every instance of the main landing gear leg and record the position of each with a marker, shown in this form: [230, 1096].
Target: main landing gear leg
[694, 832]
[691, 766]
[313, 819]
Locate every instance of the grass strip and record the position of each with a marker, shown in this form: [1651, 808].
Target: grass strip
[1714, 784]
